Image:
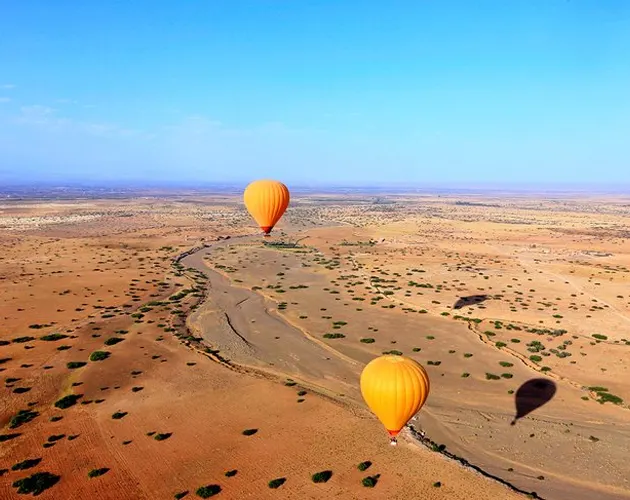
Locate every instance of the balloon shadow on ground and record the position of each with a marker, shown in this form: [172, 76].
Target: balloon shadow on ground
[470, 300]
[532, 395]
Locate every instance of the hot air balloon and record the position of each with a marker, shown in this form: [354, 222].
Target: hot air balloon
[394, 388]
[266, 200]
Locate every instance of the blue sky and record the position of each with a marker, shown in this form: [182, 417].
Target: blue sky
[330, 92]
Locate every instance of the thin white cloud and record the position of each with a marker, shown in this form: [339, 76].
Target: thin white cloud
[5, 99]
[7, 86]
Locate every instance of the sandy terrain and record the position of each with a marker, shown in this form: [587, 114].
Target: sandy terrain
[547, 286]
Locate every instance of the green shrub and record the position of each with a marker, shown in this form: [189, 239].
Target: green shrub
[322, 476]
[68, 401]
[75, 364]
[363, 466]
[99, 355]
[113, 341]
[370, 481]
[53, 336]
[334, 335]
[208, 491]
[98, 472]
[26, 464]
[276, 483]
[249, 432]
[36, 483]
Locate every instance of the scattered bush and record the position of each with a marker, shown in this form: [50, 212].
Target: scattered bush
[363, 466]
[249, 432]
[36, 483]
[370, 481]
[98, 472]
[22, 417]
[208, 491]
[99, 355]
[75, 364]
[276, 483]
[113, 341]
[322, 477]
[68, 401]
[334, 335]
[26, 464]
[53, 336]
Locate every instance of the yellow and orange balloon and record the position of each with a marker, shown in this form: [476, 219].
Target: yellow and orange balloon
[266, 201]
[394, 388]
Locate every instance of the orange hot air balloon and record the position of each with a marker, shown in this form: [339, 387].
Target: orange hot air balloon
[266, 201]
[394, 388]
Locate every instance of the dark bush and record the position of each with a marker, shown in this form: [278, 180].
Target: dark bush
[208, 491]
[363, 466]
[276, 483]
[53, 336]
[68, 401]
[26, 464]
[22, 417]
[98, 472]
[75, 364]
[322, 477]
[99, 355]
[113, 341]
[36, 483]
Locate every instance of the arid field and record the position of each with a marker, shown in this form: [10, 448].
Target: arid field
[146, 355]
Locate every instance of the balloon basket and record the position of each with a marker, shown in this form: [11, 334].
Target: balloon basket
[393, 442]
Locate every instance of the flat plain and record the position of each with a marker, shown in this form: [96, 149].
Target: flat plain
[133, 367]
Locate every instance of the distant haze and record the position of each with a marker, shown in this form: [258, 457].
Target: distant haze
[448, 94]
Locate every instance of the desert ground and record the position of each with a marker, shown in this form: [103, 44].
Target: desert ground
[146, 355]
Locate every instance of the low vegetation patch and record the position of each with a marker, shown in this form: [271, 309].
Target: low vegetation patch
[370, 481]
[75, 364]
[68, 401]
[363, 466]
[98, 472]
[208, 491]
[53, 337]
[26, 464]
[276, 483]
[322, 476]
[99, 355]
[36, 483]
[113, 341]
[22, 417]
[334, 335]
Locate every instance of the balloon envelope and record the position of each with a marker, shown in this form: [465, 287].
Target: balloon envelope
[266, 201]
[394, 388]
